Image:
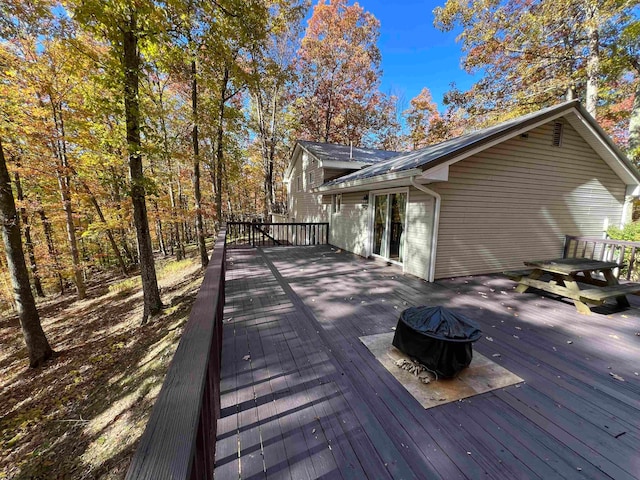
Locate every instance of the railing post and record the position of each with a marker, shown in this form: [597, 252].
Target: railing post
[567, 241]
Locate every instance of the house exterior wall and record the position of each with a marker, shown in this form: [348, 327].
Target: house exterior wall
[418, 236]
[303, 205]
[516, 201]
[349, 229]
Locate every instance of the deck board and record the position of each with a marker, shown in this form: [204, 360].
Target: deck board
[313, 402]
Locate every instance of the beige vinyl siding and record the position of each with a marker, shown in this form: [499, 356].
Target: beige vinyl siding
[349, 228]
[517, 200]
[418, 237]
[305, 206]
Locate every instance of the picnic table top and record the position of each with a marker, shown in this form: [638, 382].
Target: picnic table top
[569, 266]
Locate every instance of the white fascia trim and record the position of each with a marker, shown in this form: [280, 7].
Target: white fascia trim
[436, 224]
[629, 178]
[498, 140]
[367, 183]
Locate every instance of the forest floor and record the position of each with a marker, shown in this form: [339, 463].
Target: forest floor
[81, 415]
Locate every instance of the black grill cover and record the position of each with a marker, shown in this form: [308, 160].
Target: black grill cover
[438, 338]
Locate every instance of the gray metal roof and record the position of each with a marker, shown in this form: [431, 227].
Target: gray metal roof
[434, 154]
[344, 153]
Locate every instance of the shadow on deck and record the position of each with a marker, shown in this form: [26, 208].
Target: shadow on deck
[301, 397]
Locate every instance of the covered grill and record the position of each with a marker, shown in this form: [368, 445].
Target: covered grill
[437, 337]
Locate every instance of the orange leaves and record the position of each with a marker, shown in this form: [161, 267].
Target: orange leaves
[339, 71]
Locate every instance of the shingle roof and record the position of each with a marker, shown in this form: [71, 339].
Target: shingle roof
[344, 153]
[434, 154]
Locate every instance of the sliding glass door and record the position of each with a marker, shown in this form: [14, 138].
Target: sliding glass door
[388, 225]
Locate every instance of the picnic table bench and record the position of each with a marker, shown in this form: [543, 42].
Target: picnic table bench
[567, 273]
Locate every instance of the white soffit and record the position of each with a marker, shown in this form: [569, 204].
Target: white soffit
[436, 174]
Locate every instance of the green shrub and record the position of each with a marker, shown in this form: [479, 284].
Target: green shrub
[629, 232]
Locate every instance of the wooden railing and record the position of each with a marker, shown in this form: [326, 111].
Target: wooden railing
[622, 252]
[179, 439]
[276, 234]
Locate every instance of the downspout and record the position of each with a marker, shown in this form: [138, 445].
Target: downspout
[436, 223]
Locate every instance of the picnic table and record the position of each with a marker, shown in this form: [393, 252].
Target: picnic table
[566, 276]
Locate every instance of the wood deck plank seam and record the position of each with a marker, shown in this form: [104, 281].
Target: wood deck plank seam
[570, 366]
[406, 439]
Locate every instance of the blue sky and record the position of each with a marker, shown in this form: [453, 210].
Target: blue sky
[414, 53]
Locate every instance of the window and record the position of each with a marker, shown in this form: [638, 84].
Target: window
[337, 203]
[557, 134]
[298, 184]
[310, 179]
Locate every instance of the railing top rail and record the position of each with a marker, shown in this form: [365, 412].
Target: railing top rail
[168, 444]
[608, 241]
[277, 223]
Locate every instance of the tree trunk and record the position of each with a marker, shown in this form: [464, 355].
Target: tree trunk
[634, 118]
[37, 344]
[62, 174]
[112, 240]
[593, 60]
[202, 248]
[48, 235]
[272, 152]
[175, 223]
[219, 140]
[151, 293]
[159, 233]
[27, 238]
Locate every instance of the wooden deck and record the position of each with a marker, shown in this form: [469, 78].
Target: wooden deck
[301, 397]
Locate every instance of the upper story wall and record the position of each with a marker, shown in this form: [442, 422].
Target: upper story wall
[516, 201]
[305, 206]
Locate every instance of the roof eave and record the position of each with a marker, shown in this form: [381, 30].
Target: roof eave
[298, 146]
[632, 174]
[370, 183]
[628, 173]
